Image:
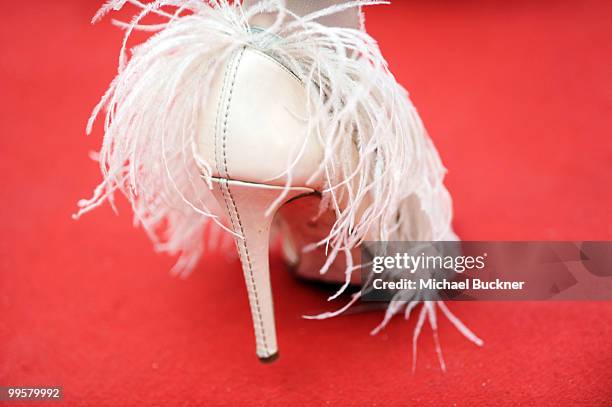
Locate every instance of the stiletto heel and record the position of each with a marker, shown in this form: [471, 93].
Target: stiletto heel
[245, 205]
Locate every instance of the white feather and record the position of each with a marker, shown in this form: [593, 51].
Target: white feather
[153, 106]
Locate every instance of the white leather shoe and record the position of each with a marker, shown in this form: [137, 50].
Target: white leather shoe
[289, 117]
[250, 136]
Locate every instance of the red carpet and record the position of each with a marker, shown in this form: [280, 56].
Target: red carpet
[517, 96]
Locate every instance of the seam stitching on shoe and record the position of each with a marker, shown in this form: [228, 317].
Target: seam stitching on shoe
[222, 98]
[241, 242]
[236, 65]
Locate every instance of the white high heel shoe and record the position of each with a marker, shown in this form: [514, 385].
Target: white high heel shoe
[248, 138]
[212, 109]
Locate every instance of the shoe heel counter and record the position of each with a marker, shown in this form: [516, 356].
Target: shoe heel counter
[255, 123]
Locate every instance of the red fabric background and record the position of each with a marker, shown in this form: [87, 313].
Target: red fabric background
[517, 96]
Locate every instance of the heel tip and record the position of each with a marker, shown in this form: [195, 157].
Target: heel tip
[268, 359]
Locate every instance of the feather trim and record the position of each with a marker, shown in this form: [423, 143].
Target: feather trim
[153, 105]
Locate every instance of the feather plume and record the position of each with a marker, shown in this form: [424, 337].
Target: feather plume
[152, 108]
